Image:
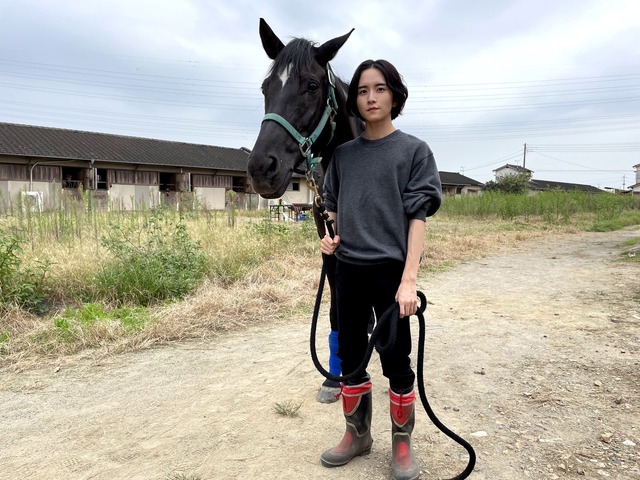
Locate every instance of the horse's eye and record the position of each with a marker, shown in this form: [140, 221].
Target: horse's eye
[313, 87]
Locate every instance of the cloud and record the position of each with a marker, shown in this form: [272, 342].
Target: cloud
[484, 78]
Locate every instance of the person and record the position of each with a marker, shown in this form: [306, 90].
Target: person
[378, 189]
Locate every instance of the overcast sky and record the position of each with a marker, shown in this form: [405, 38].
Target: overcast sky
[484, 77]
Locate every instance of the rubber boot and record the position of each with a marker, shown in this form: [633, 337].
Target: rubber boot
[357, 408]
[330, 391]
[403, 415]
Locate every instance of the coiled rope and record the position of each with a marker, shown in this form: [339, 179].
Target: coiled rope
[391, 316]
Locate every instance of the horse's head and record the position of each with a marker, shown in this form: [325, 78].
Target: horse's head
[296, 91]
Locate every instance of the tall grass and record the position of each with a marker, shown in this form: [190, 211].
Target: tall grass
[156, 262]
[20, 285]
[78, 278]
[554, 207]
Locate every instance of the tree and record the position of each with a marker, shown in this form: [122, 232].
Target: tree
[517, 184]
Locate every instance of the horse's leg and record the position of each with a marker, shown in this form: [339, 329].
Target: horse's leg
[330, 390]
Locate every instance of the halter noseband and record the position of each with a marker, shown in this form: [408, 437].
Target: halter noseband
[305, 143]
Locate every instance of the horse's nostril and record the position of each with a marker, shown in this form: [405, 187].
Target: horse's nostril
[272, 166]
[265, 166]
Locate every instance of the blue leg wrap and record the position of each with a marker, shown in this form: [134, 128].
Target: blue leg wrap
[334, 361]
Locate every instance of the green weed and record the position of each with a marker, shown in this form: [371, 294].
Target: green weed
[19, 285]
[287, 409]
[88, 326]
[621, 220]
[631, 251]
[153, 263]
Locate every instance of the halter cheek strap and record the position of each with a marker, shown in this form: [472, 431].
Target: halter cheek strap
[305, 143]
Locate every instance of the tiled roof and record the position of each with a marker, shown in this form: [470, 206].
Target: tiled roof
[35, 141]
[549, 185]
[450, 178]
[517, 168]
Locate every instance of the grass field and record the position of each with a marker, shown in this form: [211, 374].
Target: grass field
[77, 280]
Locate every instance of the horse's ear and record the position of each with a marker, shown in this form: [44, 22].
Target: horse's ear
[328, 50]
[270, 41]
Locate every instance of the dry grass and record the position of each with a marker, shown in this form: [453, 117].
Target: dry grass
[273, 291]
[449, 242]
[269, 294]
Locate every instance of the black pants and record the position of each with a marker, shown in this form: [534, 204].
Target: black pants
[359, 288]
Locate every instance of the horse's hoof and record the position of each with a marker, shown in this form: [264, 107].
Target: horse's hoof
[328, 394]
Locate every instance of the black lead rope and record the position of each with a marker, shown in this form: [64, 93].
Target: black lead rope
[391, 317]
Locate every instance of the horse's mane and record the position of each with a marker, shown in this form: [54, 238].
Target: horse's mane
[297, 53]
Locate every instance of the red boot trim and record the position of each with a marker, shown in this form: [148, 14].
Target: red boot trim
[351, 395]
[401, 406]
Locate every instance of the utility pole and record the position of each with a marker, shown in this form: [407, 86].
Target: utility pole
[524, 157]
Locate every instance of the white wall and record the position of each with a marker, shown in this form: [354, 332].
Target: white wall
[304, 195]
[211, 198]
[122, 196]
[146, 195]
[11, 192]
[130, 197]
[295, 197]
[5, 200]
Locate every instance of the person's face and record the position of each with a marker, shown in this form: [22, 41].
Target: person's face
[375, 99]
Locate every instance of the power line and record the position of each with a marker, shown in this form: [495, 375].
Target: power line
[220, 95]
[538, 83]
[495, 162]
[582, 147]
[522, 129]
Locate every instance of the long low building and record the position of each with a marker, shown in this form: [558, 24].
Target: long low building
[121, 171]
[44, 166]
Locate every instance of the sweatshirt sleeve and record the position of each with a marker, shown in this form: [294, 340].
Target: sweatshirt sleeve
[423, 195]
[331, 186]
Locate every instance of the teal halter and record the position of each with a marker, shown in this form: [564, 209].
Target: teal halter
[305, 143]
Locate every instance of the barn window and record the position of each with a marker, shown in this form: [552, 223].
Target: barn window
[71, 177]
[101, 179]
[167, 182]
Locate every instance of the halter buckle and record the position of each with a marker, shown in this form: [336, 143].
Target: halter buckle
[305, 147]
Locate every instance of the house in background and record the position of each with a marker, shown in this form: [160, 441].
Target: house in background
[542, 185]
[457, 184]
[635, 189]
[509, 169]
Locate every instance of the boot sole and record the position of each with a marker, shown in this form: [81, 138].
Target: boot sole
[327, 464]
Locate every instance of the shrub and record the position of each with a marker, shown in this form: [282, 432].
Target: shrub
[516, 184]
[159, 262]
[24, 287]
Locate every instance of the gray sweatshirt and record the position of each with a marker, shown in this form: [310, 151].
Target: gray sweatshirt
[375, 187]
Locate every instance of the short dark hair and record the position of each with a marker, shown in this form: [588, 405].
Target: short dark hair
[394, 81]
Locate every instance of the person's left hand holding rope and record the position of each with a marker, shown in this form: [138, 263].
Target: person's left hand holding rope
[329, 245]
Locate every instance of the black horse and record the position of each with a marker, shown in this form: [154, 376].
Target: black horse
[305, 120]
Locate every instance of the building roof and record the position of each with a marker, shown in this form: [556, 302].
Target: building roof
[450, 178]
[549, 185]
[517, 168]
[35, 141]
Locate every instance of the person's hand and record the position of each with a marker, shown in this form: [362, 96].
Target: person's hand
[329, 245]
[407, 299]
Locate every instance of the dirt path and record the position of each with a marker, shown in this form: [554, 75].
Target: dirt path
[539, 348]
